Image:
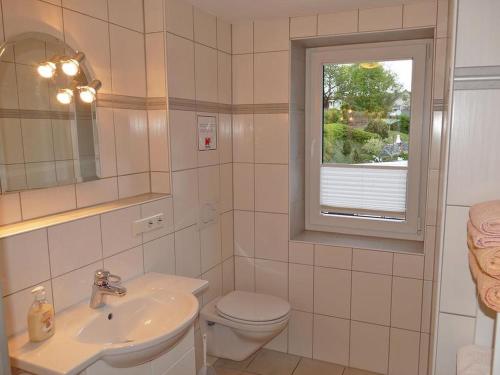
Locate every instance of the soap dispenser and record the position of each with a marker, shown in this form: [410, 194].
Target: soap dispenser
[41, 323]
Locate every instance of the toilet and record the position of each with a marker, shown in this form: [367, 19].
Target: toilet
[240, 323]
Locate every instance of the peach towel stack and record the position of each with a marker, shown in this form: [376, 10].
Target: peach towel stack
[483, 240]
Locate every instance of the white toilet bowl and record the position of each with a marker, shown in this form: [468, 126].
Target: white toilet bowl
[240, 323]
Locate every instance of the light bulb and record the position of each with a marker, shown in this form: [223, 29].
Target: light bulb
[71, 66]
[46, 69]
[88, 93]
[64, 96]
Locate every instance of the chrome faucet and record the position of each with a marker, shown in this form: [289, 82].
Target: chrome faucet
[105, 284]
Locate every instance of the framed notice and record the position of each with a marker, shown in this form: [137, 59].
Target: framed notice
[207, 133]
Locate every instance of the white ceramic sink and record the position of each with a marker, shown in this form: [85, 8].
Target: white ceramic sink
[139, 329]
[156, 312]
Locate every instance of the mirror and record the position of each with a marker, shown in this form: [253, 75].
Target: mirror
[48, 133]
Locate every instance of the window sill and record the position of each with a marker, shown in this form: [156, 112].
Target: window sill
[361, 242]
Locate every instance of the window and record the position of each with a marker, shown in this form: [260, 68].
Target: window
[367, 120]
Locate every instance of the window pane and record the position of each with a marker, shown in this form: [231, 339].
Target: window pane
[366, 112]
[366, 130]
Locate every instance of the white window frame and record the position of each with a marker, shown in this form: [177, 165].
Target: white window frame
[411, 227]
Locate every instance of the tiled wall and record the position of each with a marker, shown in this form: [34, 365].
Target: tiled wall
[192, 51]
[358, 307]
[111, 33]
[472, 156]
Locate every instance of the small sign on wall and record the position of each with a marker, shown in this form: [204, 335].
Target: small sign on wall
[207, 133]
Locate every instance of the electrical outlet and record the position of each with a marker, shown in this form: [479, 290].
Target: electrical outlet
[148, 224]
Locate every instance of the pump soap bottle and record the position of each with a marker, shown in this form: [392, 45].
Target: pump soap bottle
[41, 323]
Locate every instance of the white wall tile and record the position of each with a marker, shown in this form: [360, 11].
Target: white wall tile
[24, 261]
[476, 34]
[107, 148]
[214, 278]
[331, 339]
[406, 303]
[133, 184]
[242, 37]
[225, 138]
[188, 252]
[369, 348]
[180, 70]
[75, 244]
[155, 64]
[117, 234]
[244, 233]
[227, 235]
[271, 138]
[128, 69]
[185, 189]
[95, 192]
[301, 281]
[94, 8]
[271, 77]
[205, 28]
[332, 292]
[159, 255]
[74, 286]
[372, 261]
[243, 185]
[10, 208]
[223, 36]
[300, 253]
[458, 290]
[300, 334]
[243, 138]
[210, 246]
[404, 352]
[408, 265]
[386, 18]
[338, 23]
[303, 26]
[271, 278]
[271, 236]
[127, 264]
[224, 72]
[271, 35]
[128, 13]
[371, 298]
[226, 187]
[473, 107]
[179, 18]
[159, 149]
[243, 79]
[42, 202]
[206, 73]
[183, 131]
[153, 15]
[420, 14]
[228, 275]
[131, 132]
[271, 188]
[454, 331]
[244, 274]
[333, 256]
[209, 185]
[161, 206]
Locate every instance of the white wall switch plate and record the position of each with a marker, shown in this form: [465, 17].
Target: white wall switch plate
[148, 224]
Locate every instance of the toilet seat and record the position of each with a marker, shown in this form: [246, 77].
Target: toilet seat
[253, 308]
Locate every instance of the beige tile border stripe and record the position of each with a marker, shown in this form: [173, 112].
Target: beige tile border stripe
[36, 114]
[180, 104]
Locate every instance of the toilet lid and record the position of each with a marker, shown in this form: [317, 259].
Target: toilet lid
[252, 307]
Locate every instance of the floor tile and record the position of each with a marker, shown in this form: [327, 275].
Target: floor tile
[309, 366]
[270, 362]
[353, 371]
[234, 365]
[227, 371]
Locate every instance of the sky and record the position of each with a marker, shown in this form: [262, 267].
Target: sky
[403, 69]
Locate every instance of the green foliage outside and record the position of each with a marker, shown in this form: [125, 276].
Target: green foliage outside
[371, 93]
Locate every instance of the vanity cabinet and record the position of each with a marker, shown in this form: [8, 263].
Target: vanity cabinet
[180, 360]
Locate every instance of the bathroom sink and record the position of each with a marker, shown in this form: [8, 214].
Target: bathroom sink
[157, 312]
[138, 330]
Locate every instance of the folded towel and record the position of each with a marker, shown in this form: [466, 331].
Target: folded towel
[488, 288]
[488, 258]
[481, 240]
[485, 217]
[474, 360]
